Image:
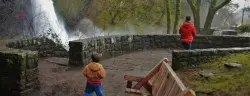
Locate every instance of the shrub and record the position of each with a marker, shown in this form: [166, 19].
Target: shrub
[244, 28]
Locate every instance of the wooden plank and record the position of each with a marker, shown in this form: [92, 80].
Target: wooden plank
[148, 86]
[160, 79]
[156, 81]
[133, 91]
[145, 92]
[154, 84]
[149, 76]
[178, 92]
[165, 60]
[162, 87]
[173, 89]
[162, 82]
[177, 79]
[132, 78]
[169, 85]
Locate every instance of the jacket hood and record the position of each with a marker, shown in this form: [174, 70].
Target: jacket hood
[94, 67]
[187, 25]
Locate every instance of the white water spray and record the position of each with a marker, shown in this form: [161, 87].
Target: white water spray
[47, 23]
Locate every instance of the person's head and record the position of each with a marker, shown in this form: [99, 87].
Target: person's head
[96, 57]
[188, 18]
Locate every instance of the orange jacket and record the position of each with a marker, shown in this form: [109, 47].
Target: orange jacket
[94, 71]
[187, 31]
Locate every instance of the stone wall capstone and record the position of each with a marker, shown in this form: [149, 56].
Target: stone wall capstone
[44, 46]
[19, 72]
[191, 58]
[112, 46]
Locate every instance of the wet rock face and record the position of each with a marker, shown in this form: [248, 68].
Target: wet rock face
[233, 65]
[15, 18]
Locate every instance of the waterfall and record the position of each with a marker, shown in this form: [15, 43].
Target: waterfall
[46, 23]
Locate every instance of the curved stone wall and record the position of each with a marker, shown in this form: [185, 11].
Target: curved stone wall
[44, 46]
[111, 46]
[192, 58]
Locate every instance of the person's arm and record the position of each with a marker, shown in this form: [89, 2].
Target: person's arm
[101, 73]
[85, 69]
[194, 32]
[180, 30]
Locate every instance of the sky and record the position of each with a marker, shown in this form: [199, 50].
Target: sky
[241, 3]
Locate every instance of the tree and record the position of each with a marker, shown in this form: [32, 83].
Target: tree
[195, 7]
[177, 15]
[213, 8]
[168, 16]
[225, 16]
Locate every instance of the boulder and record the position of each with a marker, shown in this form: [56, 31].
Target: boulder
[233, 65]
[206, 74]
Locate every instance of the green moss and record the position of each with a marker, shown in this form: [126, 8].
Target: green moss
[70, 10]
[69, 6]
[24, 56]
[234, 81]
[23, 67]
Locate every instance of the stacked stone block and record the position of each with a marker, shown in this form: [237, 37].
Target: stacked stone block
[191, 58]
[44, 46]
[19, 72]
[112, 46]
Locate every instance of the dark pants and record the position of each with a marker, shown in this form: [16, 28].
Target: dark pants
[187, 45]
[90, 88]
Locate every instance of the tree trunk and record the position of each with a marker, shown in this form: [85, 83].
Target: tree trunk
[168, 16]
[211, 12]
[197, 21]
[158, 22]
[195, 7]
[177, 16]
[209, 20]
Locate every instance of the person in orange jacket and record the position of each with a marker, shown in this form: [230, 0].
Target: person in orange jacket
[94, 72]
[188, 32]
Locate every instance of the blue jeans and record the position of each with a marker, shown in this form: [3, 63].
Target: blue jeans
[90, 88]
[187, 45]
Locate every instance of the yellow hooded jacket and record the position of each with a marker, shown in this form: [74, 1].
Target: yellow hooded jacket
[94, 71]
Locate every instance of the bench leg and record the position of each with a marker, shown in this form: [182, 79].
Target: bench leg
[129, 84]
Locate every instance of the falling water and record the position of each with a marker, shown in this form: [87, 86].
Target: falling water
[47, 23]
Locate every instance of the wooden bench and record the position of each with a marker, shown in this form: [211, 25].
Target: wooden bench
[160, 81]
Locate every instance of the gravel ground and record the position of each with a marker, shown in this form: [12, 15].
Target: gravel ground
[59, 80]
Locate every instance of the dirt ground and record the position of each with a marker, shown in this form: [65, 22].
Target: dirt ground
[57, 80]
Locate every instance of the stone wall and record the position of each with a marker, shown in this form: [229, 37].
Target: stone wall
[191, 58]
[111, 46]
[19, 72]
[44, 46]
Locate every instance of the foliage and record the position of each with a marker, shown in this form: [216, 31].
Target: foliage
[107, 14]
[71, 10]
[115, 13]
[214, 6]
[244, 28]
[224, 81]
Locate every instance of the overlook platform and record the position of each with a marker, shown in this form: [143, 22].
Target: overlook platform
[55, 81]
